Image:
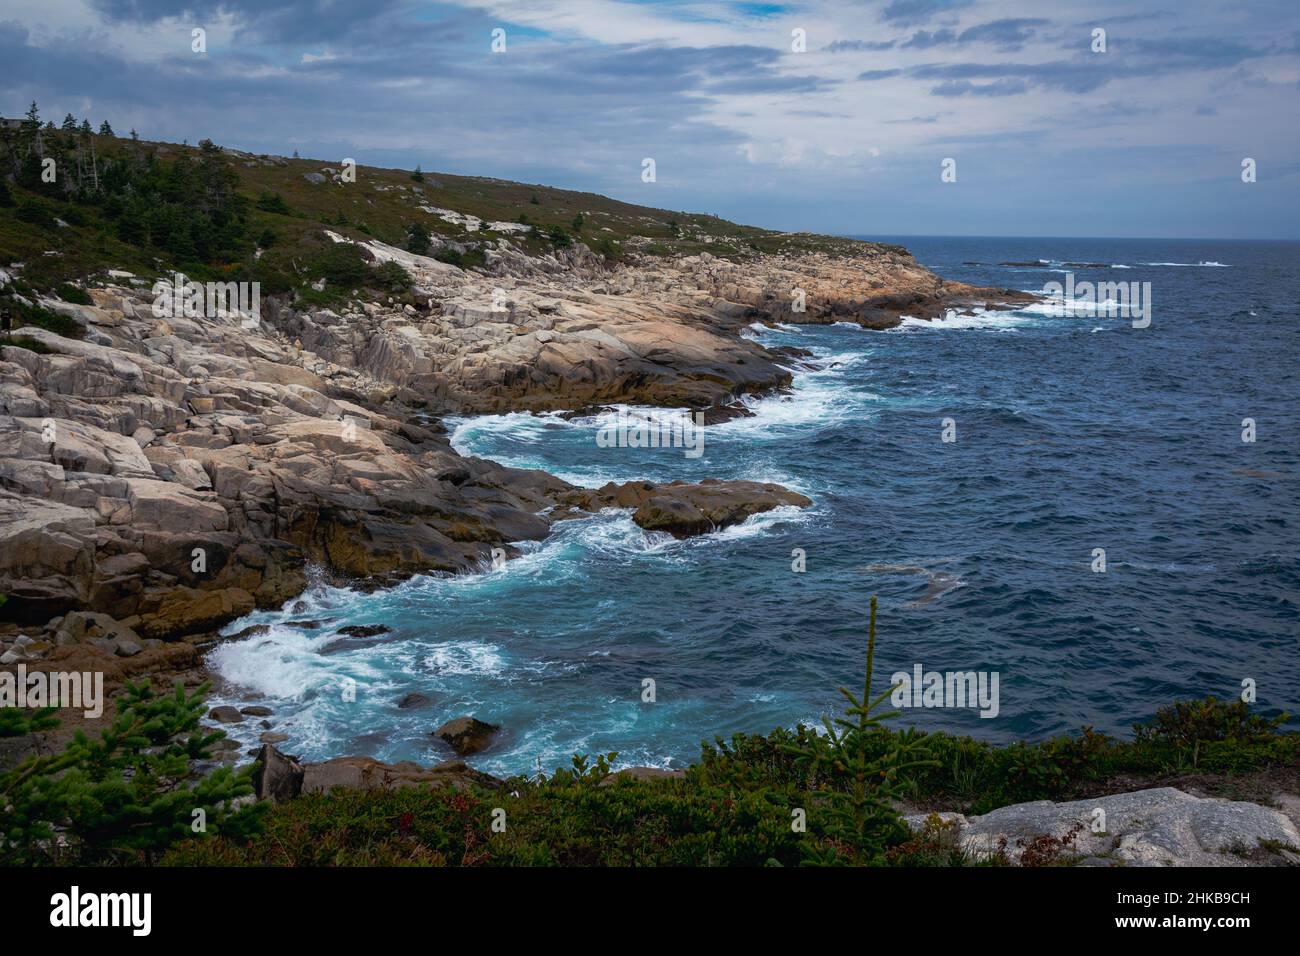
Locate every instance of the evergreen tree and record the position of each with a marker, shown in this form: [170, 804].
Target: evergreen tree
[69, 123]
[105, 129]
[85, 127]
[33, 121]
[125, 797]
[857, 819]
[417, 239]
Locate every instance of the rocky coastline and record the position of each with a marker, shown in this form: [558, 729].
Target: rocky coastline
[175, 473]
[162, 476]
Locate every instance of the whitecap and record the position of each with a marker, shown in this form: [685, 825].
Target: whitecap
[1203, 265]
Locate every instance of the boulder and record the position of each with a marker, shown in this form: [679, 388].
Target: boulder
[466, 735]
[1162, 826]
[225, 714]
[276, 777]
[683, 509]
[364, 630]
[366, 773]
[641, 773]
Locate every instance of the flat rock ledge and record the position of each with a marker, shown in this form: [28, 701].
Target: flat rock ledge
[279, 777]
[1157, 827]
[684, 510]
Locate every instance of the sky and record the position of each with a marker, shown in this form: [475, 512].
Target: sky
[826, 116]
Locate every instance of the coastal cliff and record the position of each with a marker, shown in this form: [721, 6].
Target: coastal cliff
[176, 473]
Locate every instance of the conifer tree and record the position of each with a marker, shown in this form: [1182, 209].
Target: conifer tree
[69, 123]
[105, 129]
[417, 239]
[857, 819]
[125, 797]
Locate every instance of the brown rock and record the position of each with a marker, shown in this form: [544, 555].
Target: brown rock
[277, 777]
[366, 773]
[466, 735]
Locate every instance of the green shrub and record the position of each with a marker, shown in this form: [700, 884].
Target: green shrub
[35, 212]
[24, 314]
[342, 263]
[126, 797]
[1186, 723]
[609, 249]
[273, 202]
[461, 260]
[417, 239]
[391, 277]
[74, 294]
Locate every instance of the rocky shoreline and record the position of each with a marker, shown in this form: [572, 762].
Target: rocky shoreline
[176, 473]
[161, 477]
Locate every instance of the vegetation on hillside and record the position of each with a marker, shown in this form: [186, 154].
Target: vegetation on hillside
[75, 203]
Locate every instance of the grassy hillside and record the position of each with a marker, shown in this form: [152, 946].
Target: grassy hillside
[149, 208]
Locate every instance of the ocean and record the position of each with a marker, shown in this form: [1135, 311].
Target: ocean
[1072, 433]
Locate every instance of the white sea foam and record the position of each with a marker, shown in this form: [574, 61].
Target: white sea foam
[981, 319]
[1202, 265]
[1057, 306]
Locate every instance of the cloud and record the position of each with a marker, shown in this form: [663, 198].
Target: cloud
[924, 39]
[739, 123]
[907, 13]
[1005, 87]
[1008, 34]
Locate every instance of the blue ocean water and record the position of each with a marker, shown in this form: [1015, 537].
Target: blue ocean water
[1072, 433]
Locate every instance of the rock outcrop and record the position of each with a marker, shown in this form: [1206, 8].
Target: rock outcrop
[365, 773]
[683, 509]
[172, 474]
[1158, 827]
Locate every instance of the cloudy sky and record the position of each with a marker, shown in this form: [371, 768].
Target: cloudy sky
[847, 134]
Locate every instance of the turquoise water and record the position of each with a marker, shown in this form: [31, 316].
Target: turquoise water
[1073, 433]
